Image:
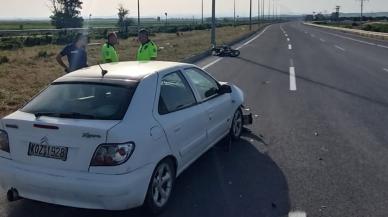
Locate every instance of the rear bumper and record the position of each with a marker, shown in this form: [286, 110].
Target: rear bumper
[81, 190]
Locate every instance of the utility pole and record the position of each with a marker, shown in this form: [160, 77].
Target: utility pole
[273, 9]
[269, 9]
[234, 13]
[202, 12]
[213, 36]
[362, 9]
[250, 15]
[258, 13]
[138, 15]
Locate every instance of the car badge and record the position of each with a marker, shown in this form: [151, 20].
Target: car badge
[89, 135]
[44, 141]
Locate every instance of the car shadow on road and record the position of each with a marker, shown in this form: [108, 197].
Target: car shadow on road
[238, 182]
[338, 89]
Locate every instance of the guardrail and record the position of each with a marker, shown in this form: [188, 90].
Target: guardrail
[377, 35]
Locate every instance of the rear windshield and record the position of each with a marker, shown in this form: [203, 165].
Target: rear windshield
[82, 101]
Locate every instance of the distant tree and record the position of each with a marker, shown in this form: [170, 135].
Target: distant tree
[122, 13]
[66, 13]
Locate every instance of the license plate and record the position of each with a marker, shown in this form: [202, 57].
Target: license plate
[48, 151]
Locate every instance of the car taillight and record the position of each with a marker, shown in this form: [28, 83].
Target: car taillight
[4, 143]
[112, 154]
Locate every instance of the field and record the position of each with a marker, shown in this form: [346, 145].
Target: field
[111, 22]
[27, 72]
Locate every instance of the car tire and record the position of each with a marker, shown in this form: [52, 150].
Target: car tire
[237, 125]
[155, 202]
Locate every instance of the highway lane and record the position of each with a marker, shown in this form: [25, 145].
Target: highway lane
[330, 136]
[318, 144]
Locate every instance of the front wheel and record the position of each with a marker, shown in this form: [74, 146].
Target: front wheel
[160, 188]
[237, 125]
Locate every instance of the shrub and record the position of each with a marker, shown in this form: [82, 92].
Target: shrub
[3, 59]
[11, 43]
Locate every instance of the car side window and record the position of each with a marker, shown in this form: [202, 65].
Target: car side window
[206, 86]
[175, 94]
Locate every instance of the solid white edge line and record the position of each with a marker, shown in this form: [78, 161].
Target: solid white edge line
[254, 38]
[238, 48]
[297, 214]
[292, 79]
[212, 63]
[338, 47]
[379, 45]
[289, 47]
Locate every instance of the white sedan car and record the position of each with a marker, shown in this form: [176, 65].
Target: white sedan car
[118, 138]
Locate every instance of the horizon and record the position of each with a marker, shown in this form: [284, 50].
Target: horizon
[186, 8]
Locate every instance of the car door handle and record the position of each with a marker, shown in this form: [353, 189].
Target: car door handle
[210, 113]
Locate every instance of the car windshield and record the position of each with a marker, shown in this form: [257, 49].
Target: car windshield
[81, 101]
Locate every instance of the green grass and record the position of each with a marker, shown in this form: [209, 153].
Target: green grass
[45, 24]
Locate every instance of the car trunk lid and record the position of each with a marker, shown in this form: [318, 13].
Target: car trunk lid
[79, 137]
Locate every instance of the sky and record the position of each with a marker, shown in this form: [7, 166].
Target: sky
[20, 9]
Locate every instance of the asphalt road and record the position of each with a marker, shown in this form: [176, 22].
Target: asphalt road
[319, 144]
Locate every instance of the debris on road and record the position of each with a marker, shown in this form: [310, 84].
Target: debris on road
[266, 82]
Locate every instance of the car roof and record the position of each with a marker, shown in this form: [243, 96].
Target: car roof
[132, 70]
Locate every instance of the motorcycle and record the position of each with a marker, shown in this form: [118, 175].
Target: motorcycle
[225, 51]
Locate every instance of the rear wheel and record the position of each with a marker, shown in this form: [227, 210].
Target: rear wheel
[237, 125]
[235, 53]
[160, 187]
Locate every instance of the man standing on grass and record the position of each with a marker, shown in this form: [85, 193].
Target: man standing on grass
[148, 49]
[108, 51]
[75, 53]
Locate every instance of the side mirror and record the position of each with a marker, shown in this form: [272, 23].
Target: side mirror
[225, 89]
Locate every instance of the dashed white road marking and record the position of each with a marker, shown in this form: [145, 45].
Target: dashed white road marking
[292, 76]
[289, 47]
[238, 48]
[322, 40]
[297, 214]
[288, 39]
[340, 48]
[292, 79]
[385, 69]
[286, 35]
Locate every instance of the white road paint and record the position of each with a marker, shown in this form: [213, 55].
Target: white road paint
[281, 28]
[286, 35]
[288, 39]
[383, 46]
[322, 40]
[212, 63]
[385, 69]
[289, 47]
[340, 48]
[356, 40]
[297, 214]
[238, 48]
[254, 38]
[312, 35]
[292, 79]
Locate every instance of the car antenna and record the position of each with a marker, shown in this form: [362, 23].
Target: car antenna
[103, 71]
